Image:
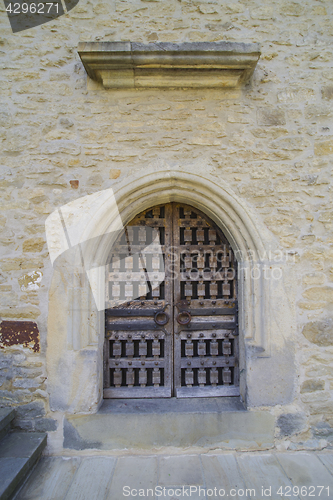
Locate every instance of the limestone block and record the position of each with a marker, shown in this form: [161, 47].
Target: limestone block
[322, 148]
[19, 358]
[28, 383]
[319, 371]
[95, 180]
[324, 293]
[33, 245]
[32, 410]
[203, 140]
[296, 94]
[327, 92]
[313, 279]
[318, 254]
[207, 9]
[45, 425]
[47, 88]
[16, 397]
[290, 144]
[279, 224]
[263, 13]
[296, 115]
[292, 9]
[6, 88]
[288, 241]
[55, 135]
[19, 139]
[8, 299]
[323, 430]
[256, 190]
[66, 122]
[22, 76]
[319, 332]
[271, 117]
[28, 312]
[62, 147]
[272, 132]
[37, 195]
[31, 373]
[114, 173]
[5, 119]
[18, 263]
[291, 423]
[285, 186]
[315, 111]
[321, 409]
[102, 8]
[312, 385]
[241, 117]
[56, 76]
[319, 10]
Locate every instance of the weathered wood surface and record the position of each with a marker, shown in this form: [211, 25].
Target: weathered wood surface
[171, 317]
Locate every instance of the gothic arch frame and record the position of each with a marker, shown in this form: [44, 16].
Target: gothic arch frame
[75, 342]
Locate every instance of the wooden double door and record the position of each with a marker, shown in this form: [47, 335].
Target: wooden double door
[171, 308]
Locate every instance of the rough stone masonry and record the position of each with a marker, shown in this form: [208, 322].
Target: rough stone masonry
[63, 136]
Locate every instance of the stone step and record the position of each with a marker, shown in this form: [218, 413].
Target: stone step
[151, 424]
[6, 417]
[19, 451]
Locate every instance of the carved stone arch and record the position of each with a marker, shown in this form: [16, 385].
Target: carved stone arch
[75, 340]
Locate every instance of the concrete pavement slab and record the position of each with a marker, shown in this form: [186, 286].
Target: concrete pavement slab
[92, 479]
[327, 460]
[103, 477]
[194, 492]
[51, 479]
[264, 475]
[305, 469]
[131, 475]
[180, 470]
[221, 472]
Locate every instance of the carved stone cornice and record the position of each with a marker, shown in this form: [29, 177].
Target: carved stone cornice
[169, 65]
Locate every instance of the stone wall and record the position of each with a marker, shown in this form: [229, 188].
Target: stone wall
[271, 142]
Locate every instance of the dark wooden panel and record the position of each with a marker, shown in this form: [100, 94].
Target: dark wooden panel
[172, 265]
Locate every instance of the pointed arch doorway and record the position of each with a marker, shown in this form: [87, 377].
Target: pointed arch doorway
[172, 309]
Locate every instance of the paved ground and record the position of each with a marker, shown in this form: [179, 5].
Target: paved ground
[235, 475]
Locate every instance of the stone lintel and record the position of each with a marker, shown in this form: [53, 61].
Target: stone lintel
[175, 65]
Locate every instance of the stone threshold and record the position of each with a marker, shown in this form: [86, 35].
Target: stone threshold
[154, 424]
[169, 65]
[171, 405]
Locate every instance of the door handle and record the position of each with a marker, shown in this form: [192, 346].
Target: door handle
[184, 318]
[161, 318]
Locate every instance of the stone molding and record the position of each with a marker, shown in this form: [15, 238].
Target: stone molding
[174, 65]
[76, 337]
